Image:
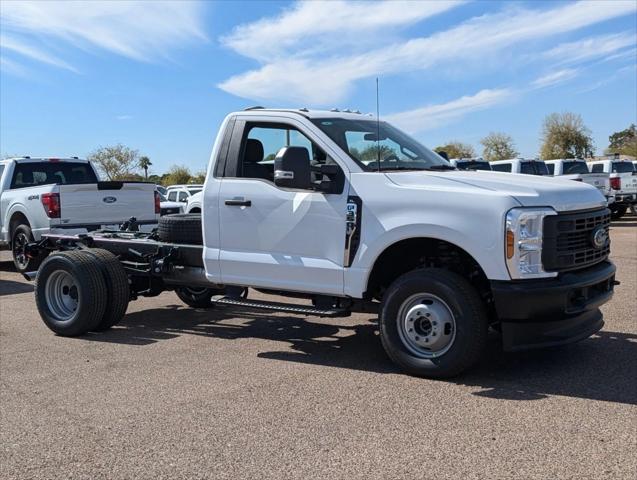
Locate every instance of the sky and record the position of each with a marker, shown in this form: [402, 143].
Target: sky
[160, 77]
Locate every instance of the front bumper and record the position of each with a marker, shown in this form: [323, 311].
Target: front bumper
[553, 311]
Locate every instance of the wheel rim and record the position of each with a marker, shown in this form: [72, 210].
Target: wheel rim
[62, 295]
[20, 242]
[426, 325]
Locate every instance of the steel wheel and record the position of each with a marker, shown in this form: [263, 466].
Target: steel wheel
[62, 295]
[426, 325]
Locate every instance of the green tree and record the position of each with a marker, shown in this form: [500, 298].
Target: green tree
[176, 176]
[623, 142]
[498, 146]
[370, 154]
[198, 177]
[144, 164]
[564, 135]
[456, 149]
[116, 162]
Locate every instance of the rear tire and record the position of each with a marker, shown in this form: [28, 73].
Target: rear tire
[21, 235]
[433, 323]
[184, 228]
[70, 293]
[117, 288]
[197, 297]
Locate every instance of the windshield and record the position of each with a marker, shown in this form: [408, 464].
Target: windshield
[366, 141]
[31, 174]
[574, 167]
[194, 190]
[534, 167]
[473, 165]
[622, 167]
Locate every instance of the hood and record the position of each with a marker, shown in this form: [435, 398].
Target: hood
[528, 190]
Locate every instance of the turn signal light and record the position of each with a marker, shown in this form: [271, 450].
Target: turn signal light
[616, 183]
[510, 244]
[51, 204]
[157, 202]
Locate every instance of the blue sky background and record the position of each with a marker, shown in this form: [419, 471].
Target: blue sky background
[160, 77]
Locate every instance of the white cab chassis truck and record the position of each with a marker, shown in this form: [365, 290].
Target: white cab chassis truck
[39, 196]
[440, 254]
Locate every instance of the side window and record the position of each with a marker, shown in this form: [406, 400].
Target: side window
[183, 197]
[172, 196]
[551, 168]
[1, 171]
[503, 167]
[598, 168]
[261, 144]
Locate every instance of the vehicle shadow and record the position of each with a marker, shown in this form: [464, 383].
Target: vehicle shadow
[7, 266]
[9, 287]
[600, 368]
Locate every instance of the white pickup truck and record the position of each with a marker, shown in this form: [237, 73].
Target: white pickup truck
[577, 169]
[623, 180]
[441, 254]
[48, 195]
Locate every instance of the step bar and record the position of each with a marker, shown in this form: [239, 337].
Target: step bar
[282, 307]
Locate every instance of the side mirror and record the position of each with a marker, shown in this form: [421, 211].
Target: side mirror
[292, 168]
[443, 154]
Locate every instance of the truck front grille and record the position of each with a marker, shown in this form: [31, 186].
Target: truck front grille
[569, 242]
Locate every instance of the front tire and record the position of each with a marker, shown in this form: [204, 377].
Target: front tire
[433, 323]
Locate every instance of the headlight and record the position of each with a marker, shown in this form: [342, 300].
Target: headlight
[523, 242]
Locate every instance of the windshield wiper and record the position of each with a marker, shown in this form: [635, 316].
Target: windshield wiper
[441, 167]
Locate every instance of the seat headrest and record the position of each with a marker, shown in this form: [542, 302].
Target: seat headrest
[254, 151]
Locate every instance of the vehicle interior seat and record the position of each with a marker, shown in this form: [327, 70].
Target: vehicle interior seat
[251, 158]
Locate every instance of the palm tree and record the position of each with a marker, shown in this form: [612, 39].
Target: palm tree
[144, 163]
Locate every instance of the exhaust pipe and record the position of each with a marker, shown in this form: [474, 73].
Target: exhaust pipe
[30, 276]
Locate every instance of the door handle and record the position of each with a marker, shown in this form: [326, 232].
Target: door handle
[239, 203]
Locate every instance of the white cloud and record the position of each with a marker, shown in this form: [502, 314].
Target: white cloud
[591, 48]
[22, 48]
[318, 80]
[139, 30]
[554, 78]
[433, 116]
[313, 25]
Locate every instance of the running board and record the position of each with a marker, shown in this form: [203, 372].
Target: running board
[282, 307]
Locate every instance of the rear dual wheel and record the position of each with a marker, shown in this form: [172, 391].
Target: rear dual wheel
[80, 291]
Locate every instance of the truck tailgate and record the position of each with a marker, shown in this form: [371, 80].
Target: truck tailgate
[600, 181]
[107, 203]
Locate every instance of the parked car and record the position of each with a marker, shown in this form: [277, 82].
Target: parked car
[181, 193]
[470, 164]
[63, 195]
[526, 166]
[577, 169]
[440, 253]
[167, 207]
[622, 181]
[195, 203]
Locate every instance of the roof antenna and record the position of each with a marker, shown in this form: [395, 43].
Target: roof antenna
[377, 127]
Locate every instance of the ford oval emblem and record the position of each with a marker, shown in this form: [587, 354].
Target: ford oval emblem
[599, 237]
[109, 199]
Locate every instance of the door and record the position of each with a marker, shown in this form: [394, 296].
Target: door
[273, 237]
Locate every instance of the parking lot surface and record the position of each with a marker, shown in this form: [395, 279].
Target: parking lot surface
[228, 393]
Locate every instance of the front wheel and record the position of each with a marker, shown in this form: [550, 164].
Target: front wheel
[433, 323]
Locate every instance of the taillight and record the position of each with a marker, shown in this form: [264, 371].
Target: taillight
[157, 202]
[616, 183]
[51, 204]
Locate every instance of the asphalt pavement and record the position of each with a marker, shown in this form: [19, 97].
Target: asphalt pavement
[229, 393]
